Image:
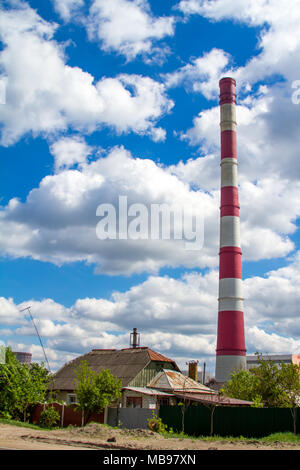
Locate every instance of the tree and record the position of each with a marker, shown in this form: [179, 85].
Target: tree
[269, 383]
[289, 378]
[95, 391]
[274, 385]
[242, 385]
[21, 385]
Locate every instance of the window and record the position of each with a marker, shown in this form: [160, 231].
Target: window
[71, 398]
[134, 402]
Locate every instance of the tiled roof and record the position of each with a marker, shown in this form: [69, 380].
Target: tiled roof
[155, 356]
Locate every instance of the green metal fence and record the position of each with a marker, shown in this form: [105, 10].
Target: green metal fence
[230, 421]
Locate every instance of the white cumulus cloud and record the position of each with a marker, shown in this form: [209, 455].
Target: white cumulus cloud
[128, 28]
[44, 95]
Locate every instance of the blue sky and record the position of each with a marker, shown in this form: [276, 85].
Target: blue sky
[104, 99]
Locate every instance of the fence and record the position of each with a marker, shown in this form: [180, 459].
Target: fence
[230, 421]
[130, 418]
[68, 414]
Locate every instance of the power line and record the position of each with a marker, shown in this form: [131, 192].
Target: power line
[40, 339]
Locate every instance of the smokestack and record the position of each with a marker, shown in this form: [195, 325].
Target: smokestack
[134, 338]
[231, 352]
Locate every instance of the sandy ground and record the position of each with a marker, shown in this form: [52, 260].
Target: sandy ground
[96, 436]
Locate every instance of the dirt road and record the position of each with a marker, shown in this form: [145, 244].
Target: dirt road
[97, 436]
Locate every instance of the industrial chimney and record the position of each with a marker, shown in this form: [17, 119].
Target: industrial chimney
[230, 352]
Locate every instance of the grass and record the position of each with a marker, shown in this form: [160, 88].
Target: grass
[282, 437]
[21, 424]
[285, 437]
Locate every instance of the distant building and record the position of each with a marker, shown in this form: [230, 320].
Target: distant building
[252, 361]
[23, 357]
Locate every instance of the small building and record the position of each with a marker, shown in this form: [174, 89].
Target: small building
[163, 390]
[173, 381]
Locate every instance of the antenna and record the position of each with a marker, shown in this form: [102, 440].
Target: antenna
[29, 313]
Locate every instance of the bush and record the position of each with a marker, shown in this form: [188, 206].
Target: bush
[155, 424]
[5, 415]
[49, 417]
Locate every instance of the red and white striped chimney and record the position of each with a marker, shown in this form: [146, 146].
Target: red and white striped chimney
[230, 352]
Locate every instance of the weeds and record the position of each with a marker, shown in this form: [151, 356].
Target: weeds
[21, 424]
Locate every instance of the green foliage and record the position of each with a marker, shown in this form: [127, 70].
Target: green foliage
[156, 424]
[95, 391]
[14, 422]
[21, 385]
[49, 417]
[5, 415]
[282, 437]
[268, 384]
[242, 385]
[257, 402]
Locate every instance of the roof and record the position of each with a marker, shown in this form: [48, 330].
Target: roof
[172, 380]
[148, 391]
[270, 357]
[124, 364]
[277, 358]
[213, 399]
[153, 355]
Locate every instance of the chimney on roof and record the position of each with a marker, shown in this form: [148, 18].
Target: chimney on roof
[134, 338]
[193, 370]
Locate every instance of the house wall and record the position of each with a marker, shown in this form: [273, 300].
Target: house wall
[148, 401]
[149, 372]
[61, 396]
[296, 359]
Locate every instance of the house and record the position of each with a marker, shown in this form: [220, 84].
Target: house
[135, 367]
